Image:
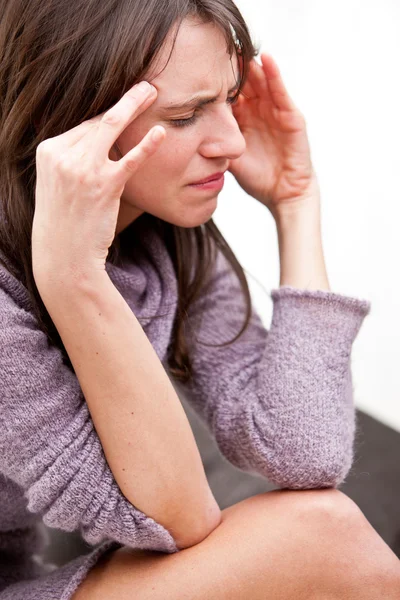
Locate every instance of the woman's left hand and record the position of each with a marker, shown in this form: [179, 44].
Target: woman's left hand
[276, 167]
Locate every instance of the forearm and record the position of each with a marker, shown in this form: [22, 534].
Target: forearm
[302, 263]
[143, 428]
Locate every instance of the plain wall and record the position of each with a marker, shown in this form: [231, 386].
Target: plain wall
[340, 63]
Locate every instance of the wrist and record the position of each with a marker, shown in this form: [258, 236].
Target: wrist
[305, 212]
[62, 285]
[298, 207]
[300, 247]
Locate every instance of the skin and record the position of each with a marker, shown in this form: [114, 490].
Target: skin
[261, 138]
[280, 545]
[188, 153]
[284, 544]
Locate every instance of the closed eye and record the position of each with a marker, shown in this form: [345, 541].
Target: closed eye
[184, 122]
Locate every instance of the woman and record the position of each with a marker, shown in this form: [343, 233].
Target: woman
[113, 273]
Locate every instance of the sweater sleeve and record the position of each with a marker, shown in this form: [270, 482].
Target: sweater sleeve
[49, 446]
[278, 402]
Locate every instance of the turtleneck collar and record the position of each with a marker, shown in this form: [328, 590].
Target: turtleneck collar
[148, 284]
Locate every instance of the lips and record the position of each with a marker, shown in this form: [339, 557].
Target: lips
[210, 178]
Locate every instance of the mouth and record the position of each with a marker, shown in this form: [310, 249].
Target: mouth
[214, 177]
[210, 184]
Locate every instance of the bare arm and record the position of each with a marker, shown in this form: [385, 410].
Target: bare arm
[144, 431]
[302, 262]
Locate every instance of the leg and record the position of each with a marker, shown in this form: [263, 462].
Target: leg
[286, 545]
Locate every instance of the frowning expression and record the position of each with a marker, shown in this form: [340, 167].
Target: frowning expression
[195, 91]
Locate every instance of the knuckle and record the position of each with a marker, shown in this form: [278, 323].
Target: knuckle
[131, 165]
[147, 149]
[64, 164]
[142, 152]
[111, 118]
[69, 164]
[114, 116]
[133, 98]
[44, 149]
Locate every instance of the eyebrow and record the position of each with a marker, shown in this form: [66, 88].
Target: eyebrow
[196, 101]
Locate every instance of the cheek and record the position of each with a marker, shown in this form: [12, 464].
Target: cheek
[173, 155]
[176, 151]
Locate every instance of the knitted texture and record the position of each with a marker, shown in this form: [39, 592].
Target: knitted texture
[279, 402]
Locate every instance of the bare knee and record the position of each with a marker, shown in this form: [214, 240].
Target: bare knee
[349, 545]
[313, 544]
[329, 509]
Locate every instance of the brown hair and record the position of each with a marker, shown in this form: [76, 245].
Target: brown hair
[62, 63]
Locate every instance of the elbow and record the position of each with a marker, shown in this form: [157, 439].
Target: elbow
[190, 536]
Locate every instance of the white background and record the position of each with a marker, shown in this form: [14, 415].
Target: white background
[340, 63]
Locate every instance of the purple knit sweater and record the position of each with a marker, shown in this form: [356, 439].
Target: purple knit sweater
[279, 403]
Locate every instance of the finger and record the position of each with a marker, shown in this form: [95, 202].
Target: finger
[258, 79]
[237, 106]
[278, 92]
[133, 159]
[117, 118]
[72, 136]
[247, 89]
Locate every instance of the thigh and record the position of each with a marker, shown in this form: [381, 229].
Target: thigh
[273, 545]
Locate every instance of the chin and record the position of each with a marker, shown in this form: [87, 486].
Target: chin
[190, 221]
[194, 217]
[184, 214]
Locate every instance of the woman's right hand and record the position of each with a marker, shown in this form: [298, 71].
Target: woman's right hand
[78, 189]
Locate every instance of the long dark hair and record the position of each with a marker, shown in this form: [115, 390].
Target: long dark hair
[62, 63]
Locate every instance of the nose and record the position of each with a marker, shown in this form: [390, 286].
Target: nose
[224, 137]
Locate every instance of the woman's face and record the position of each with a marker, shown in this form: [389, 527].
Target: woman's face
[190, 151]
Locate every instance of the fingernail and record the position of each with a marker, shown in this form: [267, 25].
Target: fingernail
[144, 86]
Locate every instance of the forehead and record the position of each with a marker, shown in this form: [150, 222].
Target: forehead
[199, 59]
